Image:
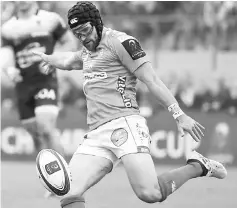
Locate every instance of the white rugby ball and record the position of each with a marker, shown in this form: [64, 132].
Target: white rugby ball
[53, 172]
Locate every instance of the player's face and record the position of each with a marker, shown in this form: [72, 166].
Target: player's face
[24, 5]
[87, 35]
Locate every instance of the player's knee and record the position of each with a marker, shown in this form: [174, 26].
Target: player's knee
[44, 129]
[31, 127]
[45, 126]
[46, 119]
[149, 195]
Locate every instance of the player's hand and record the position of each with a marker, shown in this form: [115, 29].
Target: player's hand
[45, 66]
[189, 125]
[14, 74]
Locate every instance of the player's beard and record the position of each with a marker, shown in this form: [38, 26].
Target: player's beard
[92, 44]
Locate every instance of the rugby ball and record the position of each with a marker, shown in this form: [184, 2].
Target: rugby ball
[53, 172]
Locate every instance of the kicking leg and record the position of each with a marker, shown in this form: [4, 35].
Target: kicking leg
[142, 176]
[197, 165]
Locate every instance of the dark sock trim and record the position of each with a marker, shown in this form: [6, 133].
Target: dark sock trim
[67, 201]
[204, 169]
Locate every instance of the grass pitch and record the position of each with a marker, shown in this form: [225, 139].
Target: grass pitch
[20, 188]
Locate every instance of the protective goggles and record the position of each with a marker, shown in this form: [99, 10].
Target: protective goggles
[83, 31]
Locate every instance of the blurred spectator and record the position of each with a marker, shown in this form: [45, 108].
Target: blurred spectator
[146, 109]
[186, 92]
[220, 146]
[179, 25]
[230, 103]
[163, 25]
[7, 10]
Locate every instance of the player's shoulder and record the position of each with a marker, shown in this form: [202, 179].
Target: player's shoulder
[50, 16]
[8, 26]
[118, 36]
[120, 40]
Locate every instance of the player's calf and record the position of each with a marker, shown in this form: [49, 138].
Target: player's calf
[32, 128]
[197, 165]
[46, 123]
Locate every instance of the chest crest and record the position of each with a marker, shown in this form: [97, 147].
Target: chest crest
[93, 60]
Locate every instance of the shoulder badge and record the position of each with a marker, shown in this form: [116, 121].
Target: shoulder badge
[134, 49]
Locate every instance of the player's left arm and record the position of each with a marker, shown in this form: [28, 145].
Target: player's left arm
[132, 56]
[147, 75]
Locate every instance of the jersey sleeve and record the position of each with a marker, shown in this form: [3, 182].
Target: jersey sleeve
[129, 52]
[5, 41]
[60, 27]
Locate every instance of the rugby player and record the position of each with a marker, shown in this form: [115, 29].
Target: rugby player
[39, 30]
[112, 61]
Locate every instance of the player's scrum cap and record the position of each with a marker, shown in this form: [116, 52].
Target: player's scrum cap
[84, 12]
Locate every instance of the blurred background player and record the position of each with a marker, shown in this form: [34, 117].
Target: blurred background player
[112, 61]
[37, 93]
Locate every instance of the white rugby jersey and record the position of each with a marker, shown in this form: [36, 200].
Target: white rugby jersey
[36, 33]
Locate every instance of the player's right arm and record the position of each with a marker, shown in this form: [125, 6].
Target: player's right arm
[8, 59]
[61, 60]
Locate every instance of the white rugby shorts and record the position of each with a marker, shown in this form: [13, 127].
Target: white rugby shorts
[117, 138]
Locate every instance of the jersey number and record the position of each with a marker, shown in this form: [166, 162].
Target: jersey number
[46, 94]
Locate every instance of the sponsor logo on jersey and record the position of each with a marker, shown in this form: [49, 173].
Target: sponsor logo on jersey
[39, 34]
[46, 94]
[89, 63]
[95, 75]
[100, 54]
[121, 89]
[134, 49]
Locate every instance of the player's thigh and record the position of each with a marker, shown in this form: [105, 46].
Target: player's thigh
[46, 117]
[25, 104]
[46, 108]
[27, 115]
[142, 176]
[87, 170]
